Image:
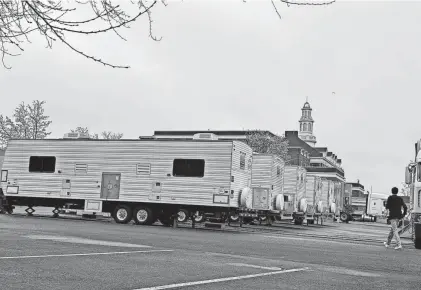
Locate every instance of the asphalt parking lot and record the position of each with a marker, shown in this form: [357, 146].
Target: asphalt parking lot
[46, 253]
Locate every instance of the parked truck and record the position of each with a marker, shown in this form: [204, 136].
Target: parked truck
[374, 207]
[413, 179]
[294, 190]
[140, 180]
[355, 203]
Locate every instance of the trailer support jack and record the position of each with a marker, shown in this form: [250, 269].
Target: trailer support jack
[174, 220]
[30, 211]
[55, 212]
[193, 221]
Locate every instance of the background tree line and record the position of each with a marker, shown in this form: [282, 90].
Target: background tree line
[29, 121]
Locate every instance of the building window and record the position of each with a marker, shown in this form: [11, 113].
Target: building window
[188, 168]
[305, 126]
[278, 170]
[309, 127]
[45, 164]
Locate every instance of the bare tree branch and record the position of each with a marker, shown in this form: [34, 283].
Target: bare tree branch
[105, 134]
[54, 20]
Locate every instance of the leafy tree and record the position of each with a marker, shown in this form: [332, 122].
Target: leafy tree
[105, 134]
[263, 142]
[55, 20]
[27, 122]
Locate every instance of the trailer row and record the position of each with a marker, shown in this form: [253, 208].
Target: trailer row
[150, 180]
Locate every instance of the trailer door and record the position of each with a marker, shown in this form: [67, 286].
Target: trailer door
[110, 188]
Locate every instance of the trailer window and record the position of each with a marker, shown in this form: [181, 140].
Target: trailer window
[46, 164]
[242, 160]
[188, 168]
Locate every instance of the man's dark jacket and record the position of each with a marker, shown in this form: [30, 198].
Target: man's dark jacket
[394, 204]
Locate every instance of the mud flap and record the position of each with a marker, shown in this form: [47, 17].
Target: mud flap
[417, 231]
[417, 235]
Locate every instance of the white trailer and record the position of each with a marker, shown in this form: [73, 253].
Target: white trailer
[267, 185]
[143, 180]
[338, 197]
[327, 200]
[1, 158]
[294, 190]
[314, 198]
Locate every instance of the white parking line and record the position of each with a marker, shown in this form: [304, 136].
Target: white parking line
[255, 266]
[82, 254]
[77, 240]
[323, 240]
[187, 284]
[241, 256]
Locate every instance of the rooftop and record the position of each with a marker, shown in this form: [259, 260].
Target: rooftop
[216, 132]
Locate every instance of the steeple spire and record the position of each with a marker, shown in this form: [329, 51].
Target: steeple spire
[306, 125]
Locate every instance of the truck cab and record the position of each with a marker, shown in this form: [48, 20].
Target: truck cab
[413, 179]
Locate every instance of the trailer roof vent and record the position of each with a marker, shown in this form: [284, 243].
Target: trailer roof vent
[205, 136]
[76, 135]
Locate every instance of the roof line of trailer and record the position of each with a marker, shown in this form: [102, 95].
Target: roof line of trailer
[132, 140]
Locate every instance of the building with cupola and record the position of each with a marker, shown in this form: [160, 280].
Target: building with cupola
[302, 150]
[306, 125]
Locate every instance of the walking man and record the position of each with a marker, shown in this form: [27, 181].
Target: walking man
[394, 205]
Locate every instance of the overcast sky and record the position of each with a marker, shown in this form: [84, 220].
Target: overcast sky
[226, 65]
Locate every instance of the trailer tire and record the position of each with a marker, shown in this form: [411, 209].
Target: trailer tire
[143, 216]
[344, 217]
[122, 214]
[298, 221]
[200, 219]
[234, 218]
[183, 215]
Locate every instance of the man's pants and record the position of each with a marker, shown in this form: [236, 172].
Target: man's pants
[394, 232]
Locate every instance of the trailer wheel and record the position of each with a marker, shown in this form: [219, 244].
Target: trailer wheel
[183, 216]
[344, 217]
[122, 214]
[234, 218]
[298, 221]
[143, 216]
[199, 219]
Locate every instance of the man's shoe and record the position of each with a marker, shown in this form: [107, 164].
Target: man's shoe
[398, 248]
[386, 245]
